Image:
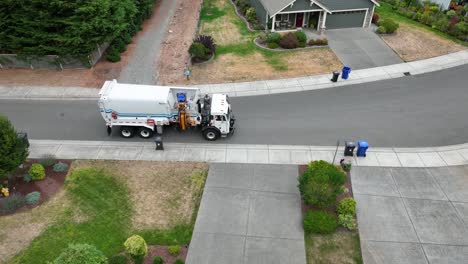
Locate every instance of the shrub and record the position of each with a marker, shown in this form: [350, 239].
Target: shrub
[118, 259]
[197, 50]
[274, 38]
[60, 167]
[375, 18]
[13, 149]
[179, 261]
[301, 36]
[348, 221]
[250, 14]
[32, 198]
[47, 160]
[174, 250]
[158, 260]
[381, 30]
[347, 206]
[119, 45]
[322, 42]
[320, 222]
[289, 41]
[390, 25]
[321, 184]
[258, 27]
[136, 247]
[27, 178]
[208, 42]
[112, 54]
[37, 172]
[346, 166]
[302, 44]
[11, 203]
[272, 45]
[81, 253]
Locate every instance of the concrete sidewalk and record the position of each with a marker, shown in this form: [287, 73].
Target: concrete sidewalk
[255, 154]
[262, 87]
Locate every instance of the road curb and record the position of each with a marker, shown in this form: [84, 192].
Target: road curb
[265, 87]
[236, 153]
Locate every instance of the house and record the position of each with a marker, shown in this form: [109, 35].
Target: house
[280, 15]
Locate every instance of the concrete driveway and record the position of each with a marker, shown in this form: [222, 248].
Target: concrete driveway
[249, 214]
[361, 48]
[412, 215]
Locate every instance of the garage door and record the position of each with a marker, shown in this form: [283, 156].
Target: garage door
[346, 19]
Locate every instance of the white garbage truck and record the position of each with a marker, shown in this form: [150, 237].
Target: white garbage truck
[144, 109]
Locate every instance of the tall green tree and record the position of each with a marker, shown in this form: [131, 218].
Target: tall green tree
[62, 27]
[13, 150]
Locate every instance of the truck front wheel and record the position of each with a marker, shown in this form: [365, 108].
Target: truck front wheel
[145, 132]
[127, 132]
[211, 134]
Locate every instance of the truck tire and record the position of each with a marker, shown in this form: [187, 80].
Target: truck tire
[145, 132]
[127, 132]
[211, 134]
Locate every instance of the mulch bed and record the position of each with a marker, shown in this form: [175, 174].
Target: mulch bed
[161, 251]
[47, 187]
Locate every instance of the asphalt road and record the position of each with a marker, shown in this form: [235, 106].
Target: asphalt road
[414, 111]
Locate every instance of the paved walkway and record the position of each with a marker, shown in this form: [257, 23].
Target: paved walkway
[263, 87]
[141, 69]
[249, 214]
[412, 215]
[361, 48]
[255, 154]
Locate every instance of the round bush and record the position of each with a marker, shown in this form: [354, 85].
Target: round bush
[381, 30]
[118, 259]
[37, 172]
[174, 250]
[32, 198]
[375, 18]
[158, 260]
[250, 14]
[347, 206]
[179, 261]
[11, 203]
[272, 45]
[112, 54]
[198, 50]
[27, 178]
[60, 167]
[321, 184]
[289, 41]
[389, 24]
[320, 222]
[47, 160]
[81, 253]
[301, 36]
[347, 221]
[136, 247]
[119, 44]
[274, 38]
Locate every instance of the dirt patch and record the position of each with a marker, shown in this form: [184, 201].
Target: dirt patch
[93, 78]
[161, 251]
[254, 67]
[174, 53]
[412, 43]
[162, 193]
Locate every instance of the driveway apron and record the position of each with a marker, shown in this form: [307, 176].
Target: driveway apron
[412, 215]
[249, 214]
[361, 48]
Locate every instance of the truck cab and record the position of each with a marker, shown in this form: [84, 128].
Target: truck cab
[221, 120]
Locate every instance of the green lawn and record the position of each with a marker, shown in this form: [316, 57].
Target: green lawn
[385, 11]
[107, 209]
[337, 248]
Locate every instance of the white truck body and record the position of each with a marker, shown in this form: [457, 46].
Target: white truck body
[152, 107]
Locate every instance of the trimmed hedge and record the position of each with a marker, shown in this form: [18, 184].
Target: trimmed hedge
[37, 172]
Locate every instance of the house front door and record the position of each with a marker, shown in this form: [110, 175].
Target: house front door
[299, 19]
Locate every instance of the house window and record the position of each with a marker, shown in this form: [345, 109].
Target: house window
[278, 17]
[284, 17]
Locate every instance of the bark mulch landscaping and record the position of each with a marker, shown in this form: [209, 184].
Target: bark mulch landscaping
[161, 251]
[47, 187]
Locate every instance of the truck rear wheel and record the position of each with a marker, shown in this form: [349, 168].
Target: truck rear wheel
[145, 132]
[211, 134]
[127, 132]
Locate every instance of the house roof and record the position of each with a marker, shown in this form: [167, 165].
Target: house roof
[275, 6]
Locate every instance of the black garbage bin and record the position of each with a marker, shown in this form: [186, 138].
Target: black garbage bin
[335, 76]
[24, 137]
[349, 148]
[159, 143]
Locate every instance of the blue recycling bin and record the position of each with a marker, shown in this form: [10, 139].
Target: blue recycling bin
[362, 148]
[345, 72]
